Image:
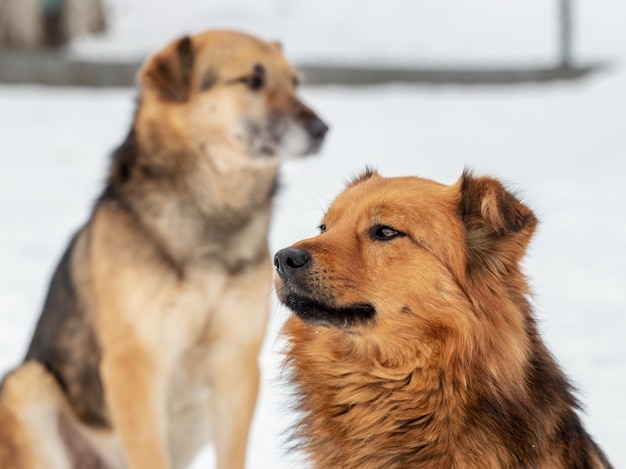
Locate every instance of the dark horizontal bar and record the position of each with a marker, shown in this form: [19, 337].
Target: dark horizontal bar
[49, 68]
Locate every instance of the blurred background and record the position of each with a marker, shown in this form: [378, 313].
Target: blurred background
[532, 92]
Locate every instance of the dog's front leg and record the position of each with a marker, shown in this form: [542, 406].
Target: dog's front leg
[135, 396]
[130, 288]
[239, 327]
[233, 401]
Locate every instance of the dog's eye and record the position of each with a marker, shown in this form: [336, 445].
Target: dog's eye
[322, 228]
[384, 233]
[256, 80]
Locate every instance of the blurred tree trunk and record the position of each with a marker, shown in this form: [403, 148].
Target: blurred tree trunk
[20, 23]
[54, 34]
[83, 17]
[32, 24]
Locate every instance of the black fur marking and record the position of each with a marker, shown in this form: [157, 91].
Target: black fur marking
[209, 79]
[126, 170]
[164, 70]
[318, 314]
[364, 176]
[467, 202]
[186, 59]
[277, 186]
[124, 159]
[514, 220]
[64, 341]
[579, 447]
[510, 421]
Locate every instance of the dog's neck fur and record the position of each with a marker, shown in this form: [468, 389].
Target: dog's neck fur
[431, 415]
[175, 192]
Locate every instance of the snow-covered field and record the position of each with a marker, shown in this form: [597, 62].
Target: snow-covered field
[562, 145]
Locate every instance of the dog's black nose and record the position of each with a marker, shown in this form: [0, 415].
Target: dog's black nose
[289, 260]
[317, 128]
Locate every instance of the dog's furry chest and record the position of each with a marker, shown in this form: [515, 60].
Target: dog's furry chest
[219, 319]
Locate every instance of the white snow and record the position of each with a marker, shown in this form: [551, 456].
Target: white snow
[563, 146]
[393, 31]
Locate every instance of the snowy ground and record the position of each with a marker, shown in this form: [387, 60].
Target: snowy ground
[563, 146]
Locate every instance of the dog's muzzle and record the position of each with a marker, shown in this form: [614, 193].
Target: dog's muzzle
[314, 128]
[310, 303]
[317, 129]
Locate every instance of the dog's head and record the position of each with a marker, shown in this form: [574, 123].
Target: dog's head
[233, 90]
[410, 262]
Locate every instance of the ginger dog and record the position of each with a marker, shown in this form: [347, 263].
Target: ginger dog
[413, 344]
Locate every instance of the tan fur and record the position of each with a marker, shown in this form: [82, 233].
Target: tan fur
[157, 312]
[28, 400]
[420, 350]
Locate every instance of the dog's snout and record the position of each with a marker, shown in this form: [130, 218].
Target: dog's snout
[317, 128]
[289, 260]
[314, 126]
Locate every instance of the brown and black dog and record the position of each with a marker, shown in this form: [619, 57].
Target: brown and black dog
[413, 343]
[148, 342]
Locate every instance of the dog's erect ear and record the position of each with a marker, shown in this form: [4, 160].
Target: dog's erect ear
[169, 71]
[498, 225]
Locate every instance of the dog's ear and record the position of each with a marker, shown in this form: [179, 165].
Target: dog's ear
[169, 71]
[498, 226]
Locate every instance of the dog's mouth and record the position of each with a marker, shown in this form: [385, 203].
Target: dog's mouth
[283, 138]
[267, 151]
[319, 314]
[315, 147]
